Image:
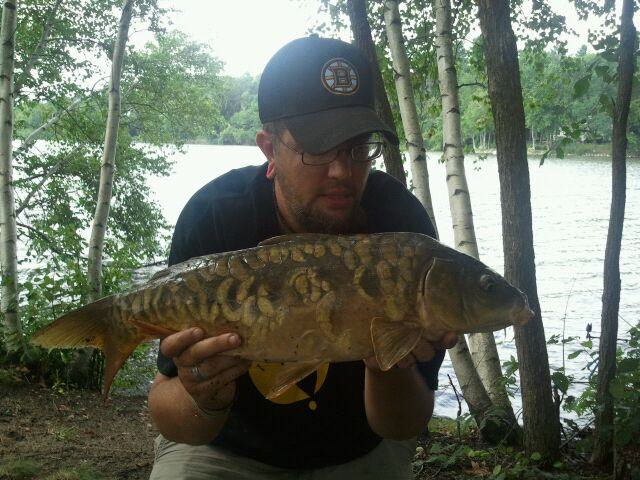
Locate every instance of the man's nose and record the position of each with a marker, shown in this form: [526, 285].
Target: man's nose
[341, 165]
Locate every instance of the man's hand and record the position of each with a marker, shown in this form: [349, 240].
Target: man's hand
[423, 352]
[205, 372]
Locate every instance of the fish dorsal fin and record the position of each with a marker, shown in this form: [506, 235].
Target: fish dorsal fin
[300, 237]
[392, 341]
[290, 374]
[160, 274]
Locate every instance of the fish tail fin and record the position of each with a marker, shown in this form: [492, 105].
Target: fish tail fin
[92, 326]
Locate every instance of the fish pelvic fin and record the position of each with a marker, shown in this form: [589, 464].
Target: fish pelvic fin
[392, 340]
[290, 374]
[93, 326]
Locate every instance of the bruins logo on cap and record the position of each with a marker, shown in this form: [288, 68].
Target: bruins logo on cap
[340, 77]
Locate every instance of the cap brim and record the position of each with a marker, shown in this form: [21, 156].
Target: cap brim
[321, 131]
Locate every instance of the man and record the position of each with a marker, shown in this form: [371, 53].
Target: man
[348, 420]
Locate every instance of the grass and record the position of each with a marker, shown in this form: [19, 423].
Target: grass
[18, 469]
[448, 454]
[63, 433]
[27, 469]
[80, 473]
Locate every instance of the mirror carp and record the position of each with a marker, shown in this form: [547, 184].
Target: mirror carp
[303, 300]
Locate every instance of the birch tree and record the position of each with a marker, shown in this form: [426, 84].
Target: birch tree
[475, 394]
[408, 112]
[99, 226]
[540, 415]
[604, 422]
[482, 345]
[13, 339]
[364, 41]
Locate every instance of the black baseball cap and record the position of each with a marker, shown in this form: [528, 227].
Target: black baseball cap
[322, 89]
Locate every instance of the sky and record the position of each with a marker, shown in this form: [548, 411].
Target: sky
[244, 34]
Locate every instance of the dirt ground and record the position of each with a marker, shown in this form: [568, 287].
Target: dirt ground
[73, 431]
[76, 435]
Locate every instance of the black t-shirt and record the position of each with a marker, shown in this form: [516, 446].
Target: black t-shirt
[322, 420]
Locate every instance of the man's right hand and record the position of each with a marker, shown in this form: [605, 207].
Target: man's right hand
[205, 372]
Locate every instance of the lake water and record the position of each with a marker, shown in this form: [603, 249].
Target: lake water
[570, 200]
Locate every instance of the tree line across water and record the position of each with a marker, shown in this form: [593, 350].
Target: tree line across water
[80, 209]
[565, 97]
[566, 100]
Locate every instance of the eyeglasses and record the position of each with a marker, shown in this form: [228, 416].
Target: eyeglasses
[361, 153]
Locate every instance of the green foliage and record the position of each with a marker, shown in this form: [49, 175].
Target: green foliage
[63, 433]
[240, 111]
[171, 93]
[509, 380]
[448, 456]
[80, 472]
[624, 388]
[18, 469]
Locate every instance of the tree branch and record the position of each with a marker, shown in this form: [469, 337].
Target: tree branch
[46, 238]
[46, 176]
[31, 139]
[473, 84]
[35, 56]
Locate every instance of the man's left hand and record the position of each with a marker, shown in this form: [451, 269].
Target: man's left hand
[424, 351]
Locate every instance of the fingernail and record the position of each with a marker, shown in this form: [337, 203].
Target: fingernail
[197, 333]
[234, 340]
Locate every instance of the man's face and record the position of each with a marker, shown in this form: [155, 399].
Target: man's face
[322, 198]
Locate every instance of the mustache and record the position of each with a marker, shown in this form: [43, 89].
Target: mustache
[341, 188]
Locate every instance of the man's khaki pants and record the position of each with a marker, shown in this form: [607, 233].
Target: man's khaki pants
[390, 460]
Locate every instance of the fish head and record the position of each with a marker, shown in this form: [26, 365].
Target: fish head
[462, 295]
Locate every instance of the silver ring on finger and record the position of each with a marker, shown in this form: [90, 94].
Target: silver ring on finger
[195, 371]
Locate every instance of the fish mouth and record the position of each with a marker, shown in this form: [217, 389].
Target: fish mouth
[522, 316]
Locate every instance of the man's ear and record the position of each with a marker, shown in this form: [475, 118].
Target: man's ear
[263, 140]
[265, 144]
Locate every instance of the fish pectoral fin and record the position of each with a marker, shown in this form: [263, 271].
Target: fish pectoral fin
[392, 341]
[290, 374]
[153, 331]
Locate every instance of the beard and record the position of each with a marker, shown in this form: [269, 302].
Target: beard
[316, 221]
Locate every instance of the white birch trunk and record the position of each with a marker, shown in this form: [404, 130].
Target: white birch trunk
[408, 112]
[98, 228]
[13, 339]
[533, 139]
[482, 345]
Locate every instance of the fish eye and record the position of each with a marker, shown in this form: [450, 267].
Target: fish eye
[487, 283]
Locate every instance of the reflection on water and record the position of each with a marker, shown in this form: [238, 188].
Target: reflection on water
[570, 201]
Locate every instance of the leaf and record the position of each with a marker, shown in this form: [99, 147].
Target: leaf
[497, 469]
[435, 448]
[535, 456]
[627, 365]
[575, 354]
[623, 436]
[603, 72]
[581, 86]
[561, 381]
[616, 389]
